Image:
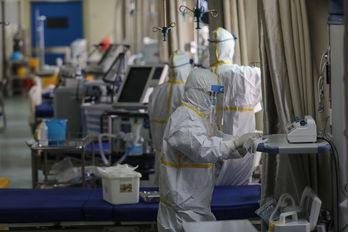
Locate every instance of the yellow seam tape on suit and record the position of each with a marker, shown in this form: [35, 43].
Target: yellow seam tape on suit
[155, 121]
[168, 164]
[216, 50]
[181, 165]
[176, 82]
[241, 109]
[237, 109]
[172, 83]
[218, 62]
[164, 202]
[204, 166]
[217, 53]
[200, 114]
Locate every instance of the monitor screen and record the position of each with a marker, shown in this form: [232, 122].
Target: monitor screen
[158, 73]
[109, 57]
[135, 84]
[116, 69]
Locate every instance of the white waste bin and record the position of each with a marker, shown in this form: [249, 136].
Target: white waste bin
[120, 184]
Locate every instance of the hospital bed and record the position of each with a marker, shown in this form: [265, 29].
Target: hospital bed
[85, 206]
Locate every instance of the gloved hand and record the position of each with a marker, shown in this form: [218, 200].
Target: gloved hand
[236, 146]
[234, 152]
[239, 142]
[250, 146]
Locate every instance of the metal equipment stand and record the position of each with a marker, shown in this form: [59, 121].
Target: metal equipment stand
[38, 150]
[278, 144]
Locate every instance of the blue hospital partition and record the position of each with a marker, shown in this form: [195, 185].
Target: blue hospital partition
[63, 25]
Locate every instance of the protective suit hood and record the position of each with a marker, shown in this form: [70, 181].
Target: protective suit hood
[180, 66]
[197, 86]
[221, 47]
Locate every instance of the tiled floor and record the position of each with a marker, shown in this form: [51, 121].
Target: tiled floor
[15, 162]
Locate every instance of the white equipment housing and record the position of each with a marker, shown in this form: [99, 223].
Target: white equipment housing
[302, 131]
[310, 206]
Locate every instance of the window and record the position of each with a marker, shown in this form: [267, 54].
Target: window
[57, 22]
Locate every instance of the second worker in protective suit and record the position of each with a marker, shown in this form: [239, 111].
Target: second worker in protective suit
[165, 99]
[191, 147]
[242, 99]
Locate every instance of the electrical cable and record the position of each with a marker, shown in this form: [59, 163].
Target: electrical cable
[334, 154]
[344, 228]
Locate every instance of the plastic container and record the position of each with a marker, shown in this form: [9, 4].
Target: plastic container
[120, 186]
[56, 130]
[43, 138]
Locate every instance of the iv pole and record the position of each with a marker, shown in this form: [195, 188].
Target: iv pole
[164, 29]
[197, 12]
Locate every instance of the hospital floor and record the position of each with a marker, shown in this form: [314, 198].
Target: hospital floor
[15, 161]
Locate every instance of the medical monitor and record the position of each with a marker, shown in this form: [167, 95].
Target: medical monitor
[135, 84]
[158, 73]
[117, 69]
[139, 84]
[110, 56]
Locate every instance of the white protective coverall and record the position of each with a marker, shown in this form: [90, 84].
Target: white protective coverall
[165, 99]
[242, 99]
[191, 146]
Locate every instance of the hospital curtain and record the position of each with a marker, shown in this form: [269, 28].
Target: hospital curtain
[289, 30]
[342, 206]
[132, 28]
[240, 18]
[181, 34]
[346, 59]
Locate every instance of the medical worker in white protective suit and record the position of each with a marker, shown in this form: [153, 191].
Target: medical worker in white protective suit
[165, 99]
[242, 99]
[191, 146]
